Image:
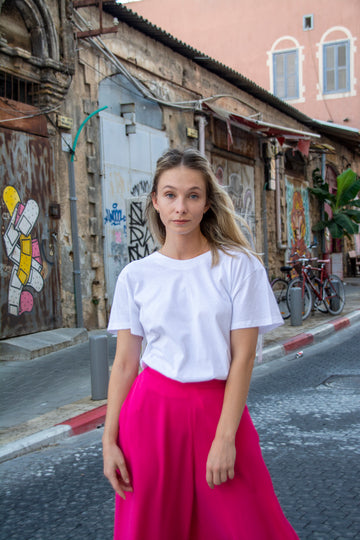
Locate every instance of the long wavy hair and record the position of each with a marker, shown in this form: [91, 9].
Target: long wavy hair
[220, 225]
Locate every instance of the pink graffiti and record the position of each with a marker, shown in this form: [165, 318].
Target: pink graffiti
[36, 251]
[26, 302]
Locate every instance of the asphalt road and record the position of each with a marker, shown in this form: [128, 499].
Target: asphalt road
[306, 411]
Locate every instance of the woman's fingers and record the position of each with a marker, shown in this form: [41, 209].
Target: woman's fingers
[220, 463]
[116, 471]
[219, 476]
[122, 469]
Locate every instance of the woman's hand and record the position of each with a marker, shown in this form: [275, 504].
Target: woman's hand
[115, 469]
[220, 462]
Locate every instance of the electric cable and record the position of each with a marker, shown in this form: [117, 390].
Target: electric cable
[195, 104]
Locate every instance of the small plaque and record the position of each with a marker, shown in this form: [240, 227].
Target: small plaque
[64, 122]
[192, 133]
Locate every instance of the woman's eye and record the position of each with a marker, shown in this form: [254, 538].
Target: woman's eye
[169, 195]
[194, 196]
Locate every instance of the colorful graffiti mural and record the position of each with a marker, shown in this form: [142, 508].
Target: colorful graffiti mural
[238, 180]
[23, 251]
[298, 220]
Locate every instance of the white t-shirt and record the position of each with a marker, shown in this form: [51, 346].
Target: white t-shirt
[185, 310]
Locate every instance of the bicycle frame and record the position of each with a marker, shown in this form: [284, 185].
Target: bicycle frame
[324, 278]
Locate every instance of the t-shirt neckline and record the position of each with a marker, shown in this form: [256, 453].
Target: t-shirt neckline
[181, 263]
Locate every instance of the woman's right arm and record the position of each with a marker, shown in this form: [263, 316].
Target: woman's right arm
[123, 373]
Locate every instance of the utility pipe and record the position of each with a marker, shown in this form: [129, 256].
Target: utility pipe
[74, 227]
[277, 199]
[322, 207]
[202, 122]
[265, 231]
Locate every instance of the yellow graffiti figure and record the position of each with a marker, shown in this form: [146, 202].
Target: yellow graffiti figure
[11, 199]
[20, 250]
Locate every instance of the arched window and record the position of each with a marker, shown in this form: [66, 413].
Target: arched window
[285, 62]
[336, 63]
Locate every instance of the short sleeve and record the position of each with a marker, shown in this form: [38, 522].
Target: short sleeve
[254, 303]
[125, 313]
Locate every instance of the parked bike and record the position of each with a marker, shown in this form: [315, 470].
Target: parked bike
[319, 289]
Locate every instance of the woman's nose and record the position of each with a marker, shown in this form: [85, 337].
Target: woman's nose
[180, 205]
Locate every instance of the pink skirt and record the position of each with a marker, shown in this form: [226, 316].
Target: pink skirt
[166, 429]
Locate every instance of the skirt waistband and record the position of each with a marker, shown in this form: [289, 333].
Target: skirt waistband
[159, 382]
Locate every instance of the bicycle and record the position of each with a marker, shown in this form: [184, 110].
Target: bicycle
[325, 293]
[279, 287]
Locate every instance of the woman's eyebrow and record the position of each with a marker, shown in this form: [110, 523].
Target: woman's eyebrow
[198, 188]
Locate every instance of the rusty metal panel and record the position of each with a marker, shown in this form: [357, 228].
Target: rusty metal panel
[29, 263]
[22, 117]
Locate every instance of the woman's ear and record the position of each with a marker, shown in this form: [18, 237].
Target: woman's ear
[154, 201]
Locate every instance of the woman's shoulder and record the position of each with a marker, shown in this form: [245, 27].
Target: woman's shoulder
[241, 260]
[138, 267]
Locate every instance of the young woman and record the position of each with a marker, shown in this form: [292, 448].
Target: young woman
[179, 446]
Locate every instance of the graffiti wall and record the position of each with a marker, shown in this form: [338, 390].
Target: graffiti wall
[298, 219]
[238, 180]
[29, 270]
[129, 162]
[140, 240]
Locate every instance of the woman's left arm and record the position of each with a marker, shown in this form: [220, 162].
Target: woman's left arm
[221, 458]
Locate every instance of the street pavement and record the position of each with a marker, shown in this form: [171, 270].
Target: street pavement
[306, 411]
[45, 378]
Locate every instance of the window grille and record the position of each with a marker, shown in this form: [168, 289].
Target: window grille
[18, 89]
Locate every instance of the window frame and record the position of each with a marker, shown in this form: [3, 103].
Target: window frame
[285, 54]
[336, 45]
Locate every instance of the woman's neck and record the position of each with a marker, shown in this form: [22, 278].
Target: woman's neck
[184, 247]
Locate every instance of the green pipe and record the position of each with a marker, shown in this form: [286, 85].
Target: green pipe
[80, 128]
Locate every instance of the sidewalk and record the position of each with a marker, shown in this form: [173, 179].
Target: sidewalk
[50, 371]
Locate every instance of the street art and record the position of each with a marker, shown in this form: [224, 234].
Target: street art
[298, 220]
[114, 216]
[23, 251]
[220, 174]
[238, 181]
[140, 188]
[140, 240]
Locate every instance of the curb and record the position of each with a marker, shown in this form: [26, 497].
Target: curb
[306, 339]
[86, 421]
[32, 346]
[95, 418]
[34, 442]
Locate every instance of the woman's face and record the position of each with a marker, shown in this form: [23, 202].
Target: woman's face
[181, 200]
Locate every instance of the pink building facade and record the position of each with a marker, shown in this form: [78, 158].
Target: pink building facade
[305, 52]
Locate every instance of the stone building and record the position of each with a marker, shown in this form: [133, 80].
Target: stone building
[90, 97]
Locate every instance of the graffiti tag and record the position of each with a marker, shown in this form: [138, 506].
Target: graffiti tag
[114, 216]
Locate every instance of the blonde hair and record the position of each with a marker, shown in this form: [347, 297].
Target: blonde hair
[220, 224]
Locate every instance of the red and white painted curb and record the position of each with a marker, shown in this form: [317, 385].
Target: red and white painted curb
[86, 421]
[310, 337]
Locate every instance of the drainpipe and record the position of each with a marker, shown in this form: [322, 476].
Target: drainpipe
[202, 123]
[277, 199]
[322, 209]
[265, 231]
[74, 227]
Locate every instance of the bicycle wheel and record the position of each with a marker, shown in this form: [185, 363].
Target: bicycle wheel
[279, 287]
[334, 294]
[318, 303]
[307, 296]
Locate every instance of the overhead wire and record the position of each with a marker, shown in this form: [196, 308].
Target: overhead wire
[39, 113]
[195, 104]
